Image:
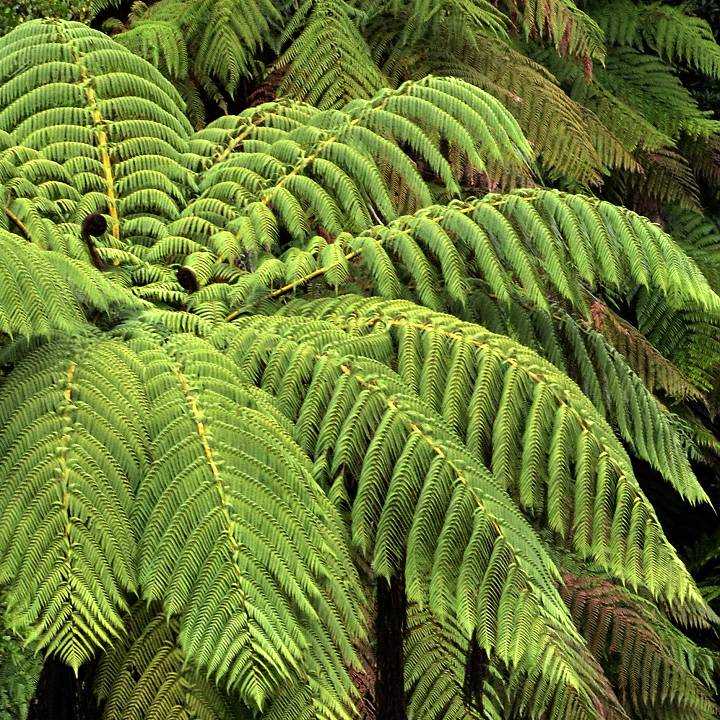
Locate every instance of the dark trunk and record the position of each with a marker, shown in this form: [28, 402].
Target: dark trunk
[390, 631]
[476, 668]
[62, 696]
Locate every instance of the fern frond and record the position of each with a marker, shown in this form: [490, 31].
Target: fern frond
[580, 146]
[328, 61]
[657, 670]
[409, 479]
[73, 450]
[616, 368]
[668, 30]
[570, 30]
[699, 236]
[145, 675]
[223, 542]
[440, 684]
[43, 293]
[540, 435]
[108, 117]
[537, 243]
[687, 337]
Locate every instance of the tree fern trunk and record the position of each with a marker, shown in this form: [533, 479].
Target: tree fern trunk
[62, 696]
[390, 631]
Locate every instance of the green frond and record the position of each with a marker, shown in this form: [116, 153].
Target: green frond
[161, 43]
[541, 436]
[73, 450]
[435, 667]
[445, 678]
[533, 242]
[44, 293]
[699, 236]
[410, 479]
[618, 370]
[19, 675]
[570, 30]
[88, 104]
[668, 30]
[687, 337]
[649, 85]
[328, 61]
[146, 676]
[657, 670]
[580, 146]
[226, 540]
[222, 37]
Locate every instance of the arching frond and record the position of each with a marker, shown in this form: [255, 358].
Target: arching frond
[145, 675]
[73, 451]
[107, 117]
[580, 145]
[539, 434]
[538, 243]
[223, 36]
[407, 480]
[223, 540]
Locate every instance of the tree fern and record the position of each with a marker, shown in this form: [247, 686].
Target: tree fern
[483, 402]
[208, 487]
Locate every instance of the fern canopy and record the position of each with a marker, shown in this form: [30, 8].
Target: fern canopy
[361, 401]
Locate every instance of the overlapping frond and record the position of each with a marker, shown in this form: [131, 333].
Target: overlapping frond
[236, 538]
[668, 30]
[617, 368]
[658, 671]
[448, 676]
[537, 432]
[145, 676]
[569, 29]
[581, 147]
[73, 451]
[699, 236]
[420, 502]
[538, 243]
[222, 36]
[43, 293]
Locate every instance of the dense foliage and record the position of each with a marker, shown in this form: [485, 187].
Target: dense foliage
[359, 360]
